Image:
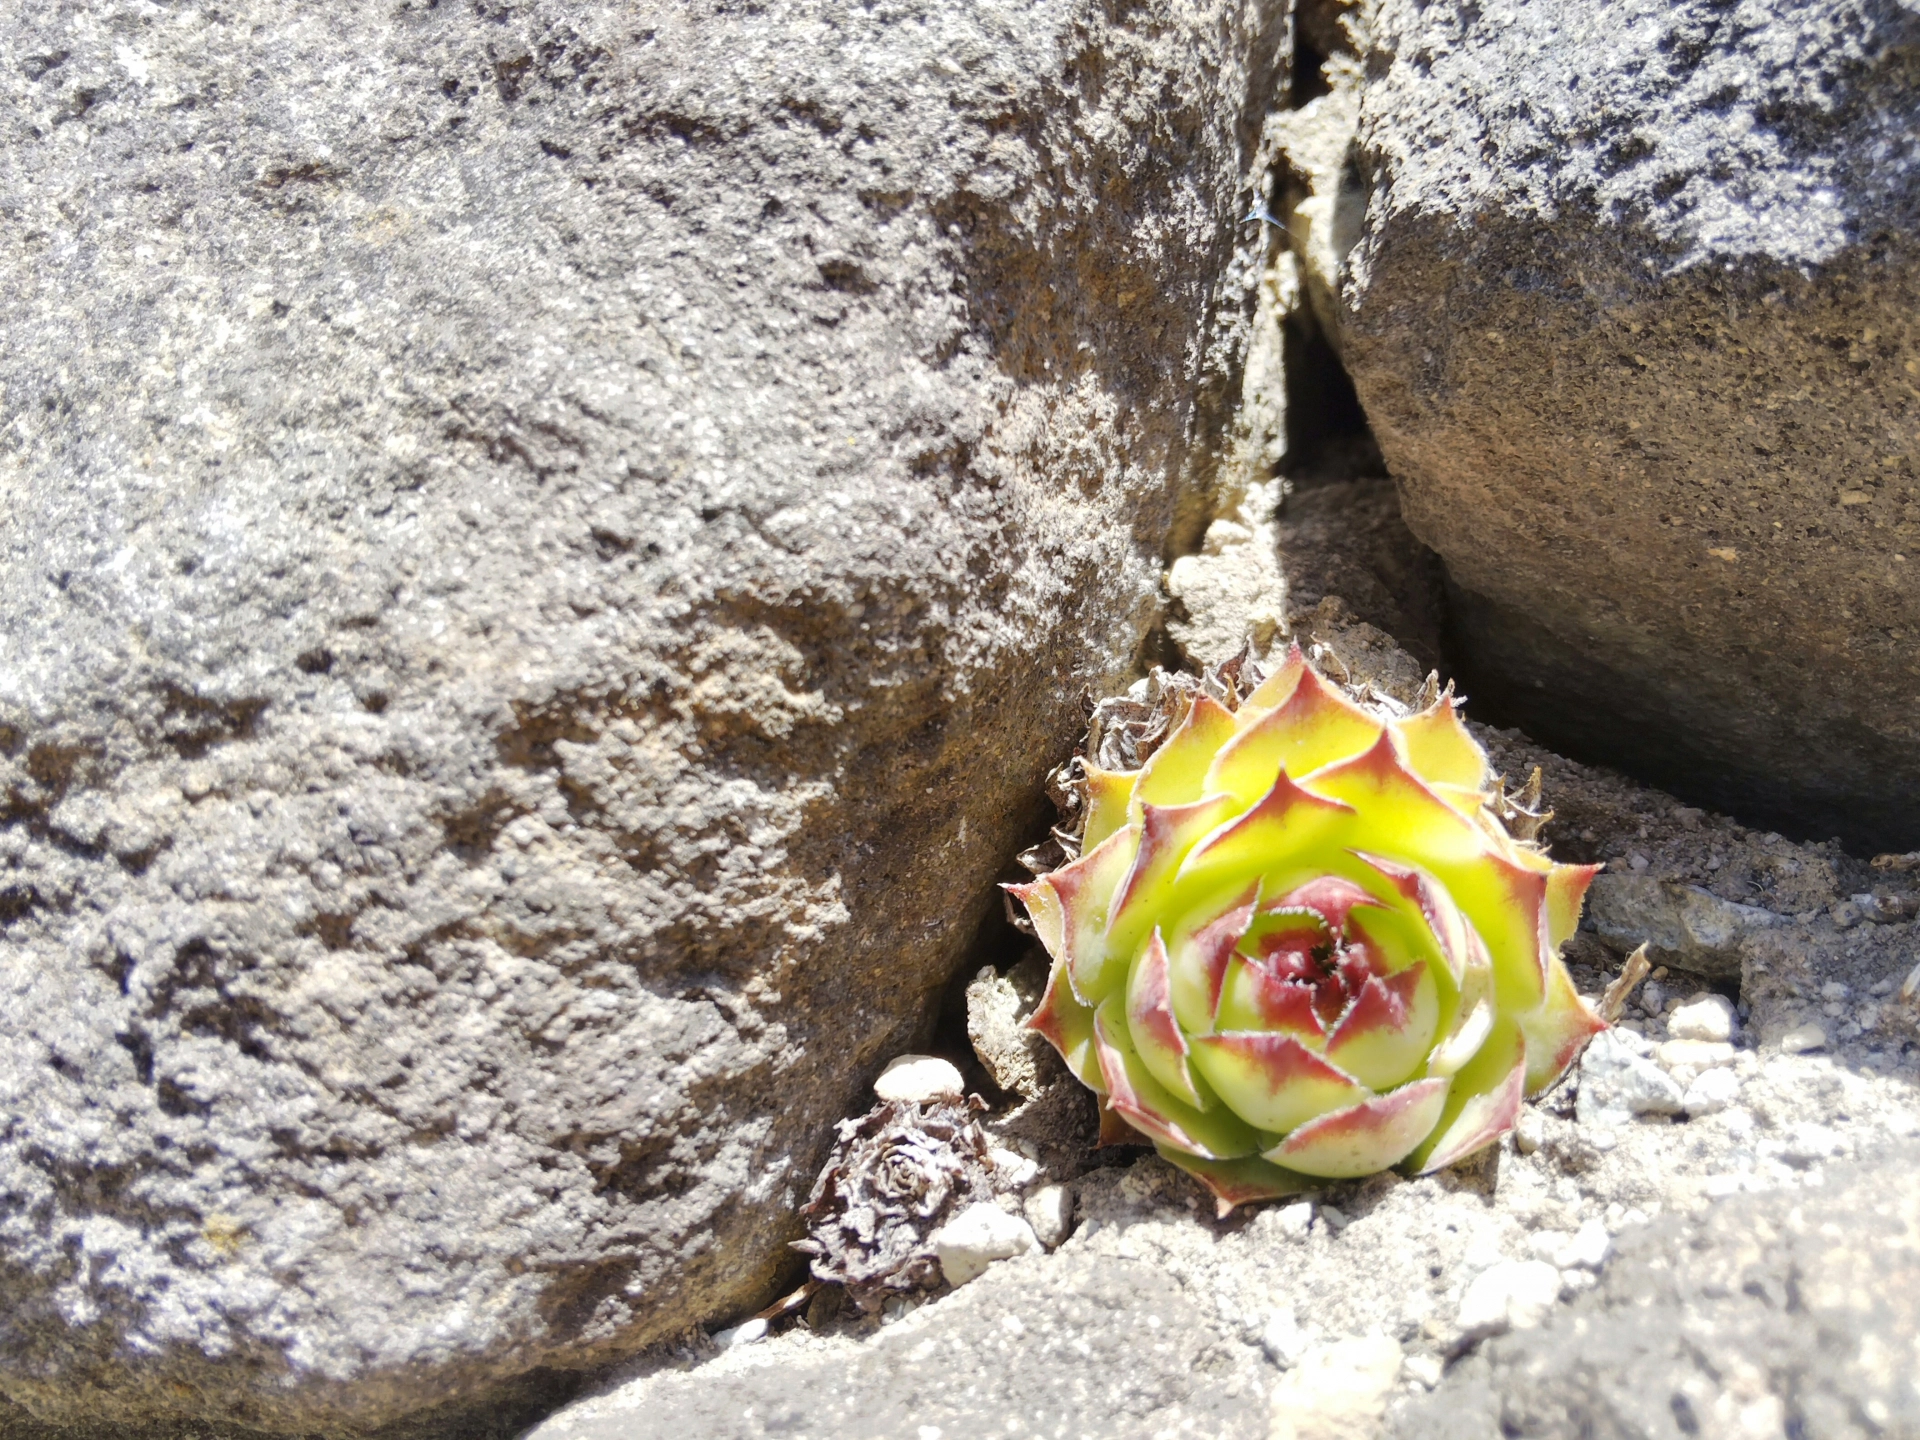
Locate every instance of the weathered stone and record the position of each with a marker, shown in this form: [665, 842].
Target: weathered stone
[1631, 292]
[547, 550]
[1682, 925]
[1780, 1314]
[1090, 1345]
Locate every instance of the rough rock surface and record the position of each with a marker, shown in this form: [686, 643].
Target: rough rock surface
[1756, 1167]
[1631, 292]
[547, 549]
[1775, 1315]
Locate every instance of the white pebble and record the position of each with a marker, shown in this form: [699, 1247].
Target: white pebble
[919, 1078]
[1050, 1211]
[1835, 990]
[1529, 1132]
[1911, 986]
[1513, 1295]
[1425, 1369]
[744, 1334]
[976, 1237]
[1338, 1388]
[1014, 1171]
[1706, 1017]
[1616, 1083]
[1283, 1339]
[1587, 1250]
[1803, 1038]
[1712, 1092]
[1695, 1055]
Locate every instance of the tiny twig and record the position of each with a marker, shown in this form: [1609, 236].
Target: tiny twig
[1614, 1002]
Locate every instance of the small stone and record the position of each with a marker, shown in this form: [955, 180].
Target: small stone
[1295, 1220]
[1803, 1038]
[919, 1078]
[1529, 1132]
[976, 1237]
[744, 1334]
[1652, 995]
[1011, 1169]
[1049, 1211]
[1638, 862]
[1705, 1017]
[1711, 1092]
[1283, 1339]
[1574, 1282]
[1334, 1218]
[1882, 988]
[1425, 1369]
[1695, 1055]
[1836, 990]
[1513, 1295]
[1338, 1389]
[1911, 987]
[1844, 914]
[1617, 1084]
[1587, 1250]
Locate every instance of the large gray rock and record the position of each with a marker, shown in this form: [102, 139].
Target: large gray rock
[1630, 291]
[547, 548]
[1789, 1314]
[1080, 1346]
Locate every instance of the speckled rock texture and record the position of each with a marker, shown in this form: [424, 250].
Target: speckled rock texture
[546, 550]
[1633, 303]
[1774, 1315]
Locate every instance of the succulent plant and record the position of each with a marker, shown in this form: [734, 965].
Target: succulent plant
[1308, 939]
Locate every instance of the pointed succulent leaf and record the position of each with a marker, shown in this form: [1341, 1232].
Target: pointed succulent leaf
[1441, 751]
[1557, 1030]
[1272, 1079]
[1197, 962]
[1314, 727]
[1364, 1138]
[1109, 792]
[1167, 835]
[1242, 1181]
[1156, 1035]
[1085, 891]
[1386, 1033]
[1483, 1103]
[1155, 1111]
[1177, 773]
[1068, 1026]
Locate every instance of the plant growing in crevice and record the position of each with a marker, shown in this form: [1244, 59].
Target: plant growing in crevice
[1301, 933]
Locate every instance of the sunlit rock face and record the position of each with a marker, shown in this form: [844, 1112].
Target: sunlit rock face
[1629, 294]
[547, 550]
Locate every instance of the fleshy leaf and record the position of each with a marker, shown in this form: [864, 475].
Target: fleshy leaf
[1440, 750]
[1557, 1030]
[1365, 1138]
[1167, 835]
[1505, 901]
[1085, 890]
[1197, 963]
[1331, 897]
[1316, 726]
[1067, 1025]
[1287, 822]
[1566, 891]
[1384, 1037]
[1156, 1112]
[1177, 773]
[1155, 1033]
[1483, 1104]
[1108, 792]
[1254, 998]
[1272, 692]
[1239, 1182]
[1115, 1131]
[1272, 1080]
